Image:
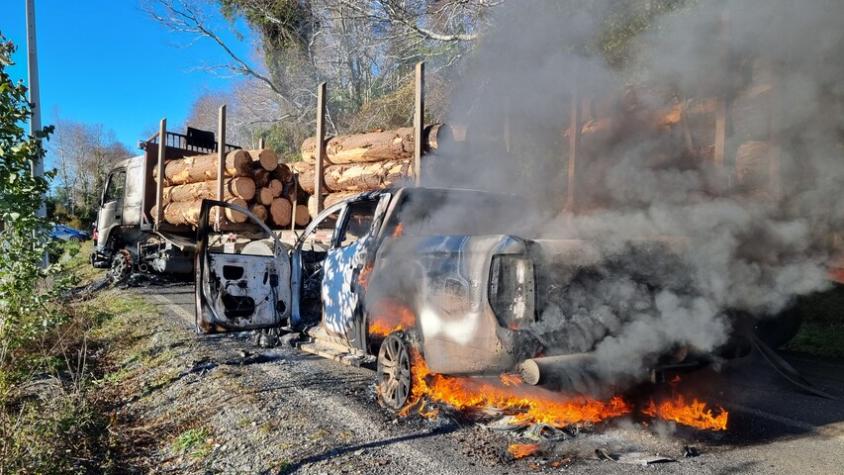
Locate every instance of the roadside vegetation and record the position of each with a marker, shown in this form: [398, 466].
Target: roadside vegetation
[50, 417]
[822, 332]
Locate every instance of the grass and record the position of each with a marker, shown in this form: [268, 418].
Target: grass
[53, 416]
[822, 339]
[822, 332]
[196, 442]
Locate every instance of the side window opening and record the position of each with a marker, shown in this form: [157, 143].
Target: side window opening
[246, 238]
[320, 237]
[358, 221]
[116, 185]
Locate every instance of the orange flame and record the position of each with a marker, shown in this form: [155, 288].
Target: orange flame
[390, 317]
[363, 277]
[527, 404]
[510, 379]
[694, 414]
[398, 231]
[519, 451]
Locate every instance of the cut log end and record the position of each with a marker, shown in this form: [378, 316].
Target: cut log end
[266, 158]
[281, 212]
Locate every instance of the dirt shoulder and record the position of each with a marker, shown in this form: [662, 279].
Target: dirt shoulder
[189, 405]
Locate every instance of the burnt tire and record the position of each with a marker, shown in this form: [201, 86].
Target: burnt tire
[121, 266]
[394, 379]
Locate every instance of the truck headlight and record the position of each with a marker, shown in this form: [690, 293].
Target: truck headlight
[512, 290]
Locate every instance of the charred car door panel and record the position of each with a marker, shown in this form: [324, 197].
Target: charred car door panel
[243, 273]
[341, 289]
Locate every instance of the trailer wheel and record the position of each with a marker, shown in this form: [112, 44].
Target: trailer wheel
[394, 382]
[121, 266]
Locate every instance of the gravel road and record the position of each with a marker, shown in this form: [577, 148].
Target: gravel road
[282, 411]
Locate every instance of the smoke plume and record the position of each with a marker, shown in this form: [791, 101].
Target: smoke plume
[690, 243]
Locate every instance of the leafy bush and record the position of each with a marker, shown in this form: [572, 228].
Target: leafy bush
[24, 236]
[47, 422]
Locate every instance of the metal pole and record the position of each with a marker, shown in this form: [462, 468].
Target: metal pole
[159, 187]
[34, 89]
[418, 122]
[221, 158]
[320, 156]
[295, 201]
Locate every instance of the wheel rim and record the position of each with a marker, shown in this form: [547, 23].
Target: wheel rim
[393, 372]
[121, 265]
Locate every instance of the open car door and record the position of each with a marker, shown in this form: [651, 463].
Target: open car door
[242, 272]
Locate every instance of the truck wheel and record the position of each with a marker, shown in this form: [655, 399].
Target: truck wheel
[121, 266]
[394, 381]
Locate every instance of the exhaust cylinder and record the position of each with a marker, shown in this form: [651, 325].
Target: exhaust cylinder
[574, 372]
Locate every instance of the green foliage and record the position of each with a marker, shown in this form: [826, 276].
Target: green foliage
[627, 20]
[822, 339]
[292, 23]
[24, 238]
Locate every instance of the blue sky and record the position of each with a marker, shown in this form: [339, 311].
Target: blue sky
[107, 62]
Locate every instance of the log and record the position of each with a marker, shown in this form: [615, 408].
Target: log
[237, 187]
[306, 176]
[262, 177]
[260, 211]
[331, 199]
[265, 196]
[275, 187]
[393, 144]
[267, 159]
[282, 173]
[303, 217]
[182, 213]
[203, 168]
[366, 176]
[356, 177]
[751, 113]
[281, 211]
[753, 167]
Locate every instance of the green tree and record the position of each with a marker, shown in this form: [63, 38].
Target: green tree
[23, 234]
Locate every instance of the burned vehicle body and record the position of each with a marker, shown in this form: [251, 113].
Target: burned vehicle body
[382, 270]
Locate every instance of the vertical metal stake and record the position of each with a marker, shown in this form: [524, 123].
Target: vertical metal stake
[574, 145]
[320, 156]
[159, 186]
[295, 201]
[221, 159]
[418, 122]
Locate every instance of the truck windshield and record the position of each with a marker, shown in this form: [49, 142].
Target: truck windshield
[426, 212]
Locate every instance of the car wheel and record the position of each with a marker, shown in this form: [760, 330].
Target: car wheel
[121, 266]
[394, 383]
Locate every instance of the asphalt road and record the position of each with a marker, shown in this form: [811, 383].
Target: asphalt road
[773, 428]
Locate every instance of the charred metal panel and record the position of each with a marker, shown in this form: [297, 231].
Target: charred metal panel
[242, 291]
[460, 333]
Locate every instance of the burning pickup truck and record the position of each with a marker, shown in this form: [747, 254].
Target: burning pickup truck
[384, 278]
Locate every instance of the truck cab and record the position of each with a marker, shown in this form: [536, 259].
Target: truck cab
[127, 236]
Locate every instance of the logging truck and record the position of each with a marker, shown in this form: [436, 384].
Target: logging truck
[127, 236]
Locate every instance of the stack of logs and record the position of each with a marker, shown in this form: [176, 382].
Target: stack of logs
[252, 179]
[363, 162]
